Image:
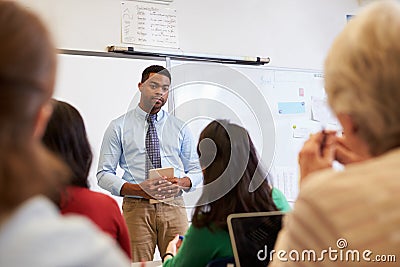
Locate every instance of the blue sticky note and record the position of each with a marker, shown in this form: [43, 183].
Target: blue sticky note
[291, 107]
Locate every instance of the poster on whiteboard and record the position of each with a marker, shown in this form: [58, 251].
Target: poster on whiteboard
[149, 24]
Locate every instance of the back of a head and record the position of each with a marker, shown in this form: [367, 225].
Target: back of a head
[230, 163]
[66, 136]
[362, 75]
[27, 65]
[27, 73]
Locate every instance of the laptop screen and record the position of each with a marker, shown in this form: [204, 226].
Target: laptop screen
[253, 236]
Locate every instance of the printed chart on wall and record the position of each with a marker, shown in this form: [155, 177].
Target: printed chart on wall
[149, 24]
[279, 107]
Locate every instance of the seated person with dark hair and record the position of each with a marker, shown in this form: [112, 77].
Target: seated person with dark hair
[229, 162]
[66, 136]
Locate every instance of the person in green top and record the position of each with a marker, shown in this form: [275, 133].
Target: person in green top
[230, 165]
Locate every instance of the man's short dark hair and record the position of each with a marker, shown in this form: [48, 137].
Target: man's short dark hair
[155, 69]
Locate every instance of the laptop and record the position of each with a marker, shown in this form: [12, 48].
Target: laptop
[253, 236]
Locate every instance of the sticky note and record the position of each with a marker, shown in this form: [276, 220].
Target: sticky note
[291, 107]
[301, 91]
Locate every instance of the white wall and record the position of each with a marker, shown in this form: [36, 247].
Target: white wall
[292, 33]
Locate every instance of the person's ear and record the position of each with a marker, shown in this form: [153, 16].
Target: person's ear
[348, 124]
[42, 118]
[140, 86]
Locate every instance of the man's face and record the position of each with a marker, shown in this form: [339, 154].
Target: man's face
[154, 92]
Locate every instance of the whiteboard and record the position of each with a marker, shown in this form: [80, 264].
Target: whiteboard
[276, 105]
[102, 89]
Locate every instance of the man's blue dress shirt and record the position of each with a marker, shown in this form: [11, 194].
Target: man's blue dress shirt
[124, 144]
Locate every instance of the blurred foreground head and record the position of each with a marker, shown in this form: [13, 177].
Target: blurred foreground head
[362, 77]
[27, 74]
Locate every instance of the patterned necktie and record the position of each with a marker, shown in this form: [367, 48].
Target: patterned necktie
[153, 158]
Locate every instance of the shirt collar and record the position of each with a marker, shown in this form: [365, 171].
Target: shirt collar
[143, 115]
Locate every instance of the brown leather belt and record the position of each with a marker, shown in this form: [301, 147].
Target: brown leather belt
[152, 201]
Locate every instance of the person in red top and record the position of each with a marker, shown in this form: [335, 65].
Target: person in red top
[66, 137]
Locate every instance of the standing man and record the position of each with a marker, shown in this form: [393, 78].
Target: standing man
[145, 138]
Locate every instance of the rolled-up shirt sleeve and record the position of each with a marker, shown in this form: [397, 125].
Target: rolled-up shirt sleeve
[110, 154]
[190, 159]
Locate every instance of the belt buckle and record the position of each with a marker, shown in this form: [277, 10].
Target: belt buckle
[153, 201]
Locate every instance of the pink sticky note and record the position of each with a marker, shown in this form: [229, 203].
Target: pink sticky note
[301, 91]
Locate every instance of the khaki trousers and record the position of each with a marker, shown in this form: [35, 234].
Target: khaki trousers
[153, 224]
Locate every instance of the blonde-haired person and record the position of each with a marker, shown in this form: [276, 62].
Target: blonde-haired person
[32, 232]
[352, 218]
